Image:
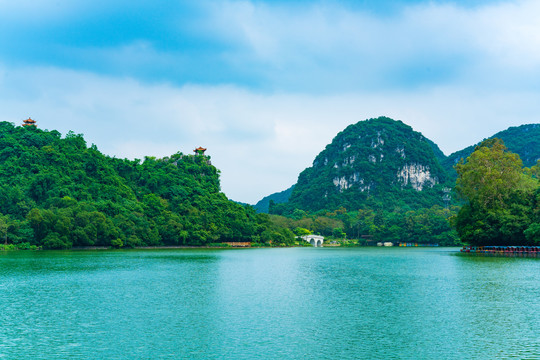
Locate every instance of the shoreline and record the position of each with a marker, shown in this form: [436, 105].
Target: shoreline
[180, 247]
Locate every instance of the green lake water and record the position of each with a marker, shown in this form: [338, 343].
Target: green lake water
[294, 303]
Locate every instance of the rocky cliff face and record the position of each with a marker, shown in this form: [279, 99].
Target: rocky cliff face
[417, 176]
[376, 160]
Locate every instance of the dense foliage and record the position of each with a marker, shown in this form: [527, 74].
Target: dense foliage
[57, 192]
[361, 167]
[502, 198]
[523, 140]
[369, 226]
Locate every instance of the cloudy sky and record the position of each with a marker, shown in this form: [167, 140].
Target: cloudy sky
[266, 84]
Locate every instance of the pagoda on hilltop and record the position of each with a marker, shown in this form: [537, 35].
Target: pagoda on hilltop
[29, 122]
[199, 151]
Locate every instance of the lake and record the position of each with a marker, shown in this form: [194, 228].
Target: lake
[292, 303]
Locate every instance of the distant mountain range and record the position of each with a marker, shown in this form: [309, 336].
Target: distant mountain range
[384, 163]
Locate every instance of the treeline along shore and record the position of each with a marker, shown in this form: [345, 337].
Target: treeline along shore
[56, 192]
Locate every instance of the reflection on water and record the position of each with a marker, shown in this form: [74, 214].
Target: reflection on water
[299, 303]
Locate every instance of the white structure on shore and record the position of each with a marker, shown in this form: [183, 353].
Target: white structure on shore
[315, 240]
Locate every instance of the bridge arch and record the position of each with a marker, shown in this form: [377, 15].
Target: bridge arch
[314, 240]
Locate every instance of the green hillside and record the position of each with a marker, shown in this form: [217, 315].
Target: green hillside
[373, 163]
[58, 192]
[523, 140]
[263, 205]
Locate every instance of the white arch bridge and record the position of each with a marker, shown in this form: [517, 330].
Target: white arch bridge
[315, 240]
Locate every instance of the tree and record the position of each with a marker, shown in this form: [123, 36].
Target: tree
[498, 197]
[4, 224]
[299, 231]
[338, 233]
[489, 175]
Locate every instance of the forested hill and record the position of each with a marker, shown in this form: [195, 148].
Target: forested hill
[378, 162]
[523, 140]
[58, 192]
[281, 197]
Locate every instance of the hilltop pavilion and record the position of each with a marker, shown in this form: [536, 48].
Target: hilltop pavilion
[199, 151]
[29, 122]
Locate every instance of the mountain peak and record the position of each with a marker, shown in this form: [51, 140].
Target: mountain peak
[371, 160]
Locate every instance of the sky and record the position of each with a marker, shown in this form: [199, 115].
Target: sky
[266, 85]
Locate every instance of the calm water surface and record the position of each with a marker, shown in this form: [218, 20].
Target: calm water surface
[298, 303]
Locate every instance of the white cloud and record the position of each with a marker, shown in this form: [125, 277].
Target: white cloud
[329, 45]
[510, 33]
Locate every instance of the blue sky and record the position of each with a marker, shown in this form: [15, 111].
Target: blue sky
[265, 85]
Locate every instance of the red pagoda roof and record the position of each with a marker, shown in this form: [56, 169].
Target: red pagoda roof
[29, 122]
[199, 150]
